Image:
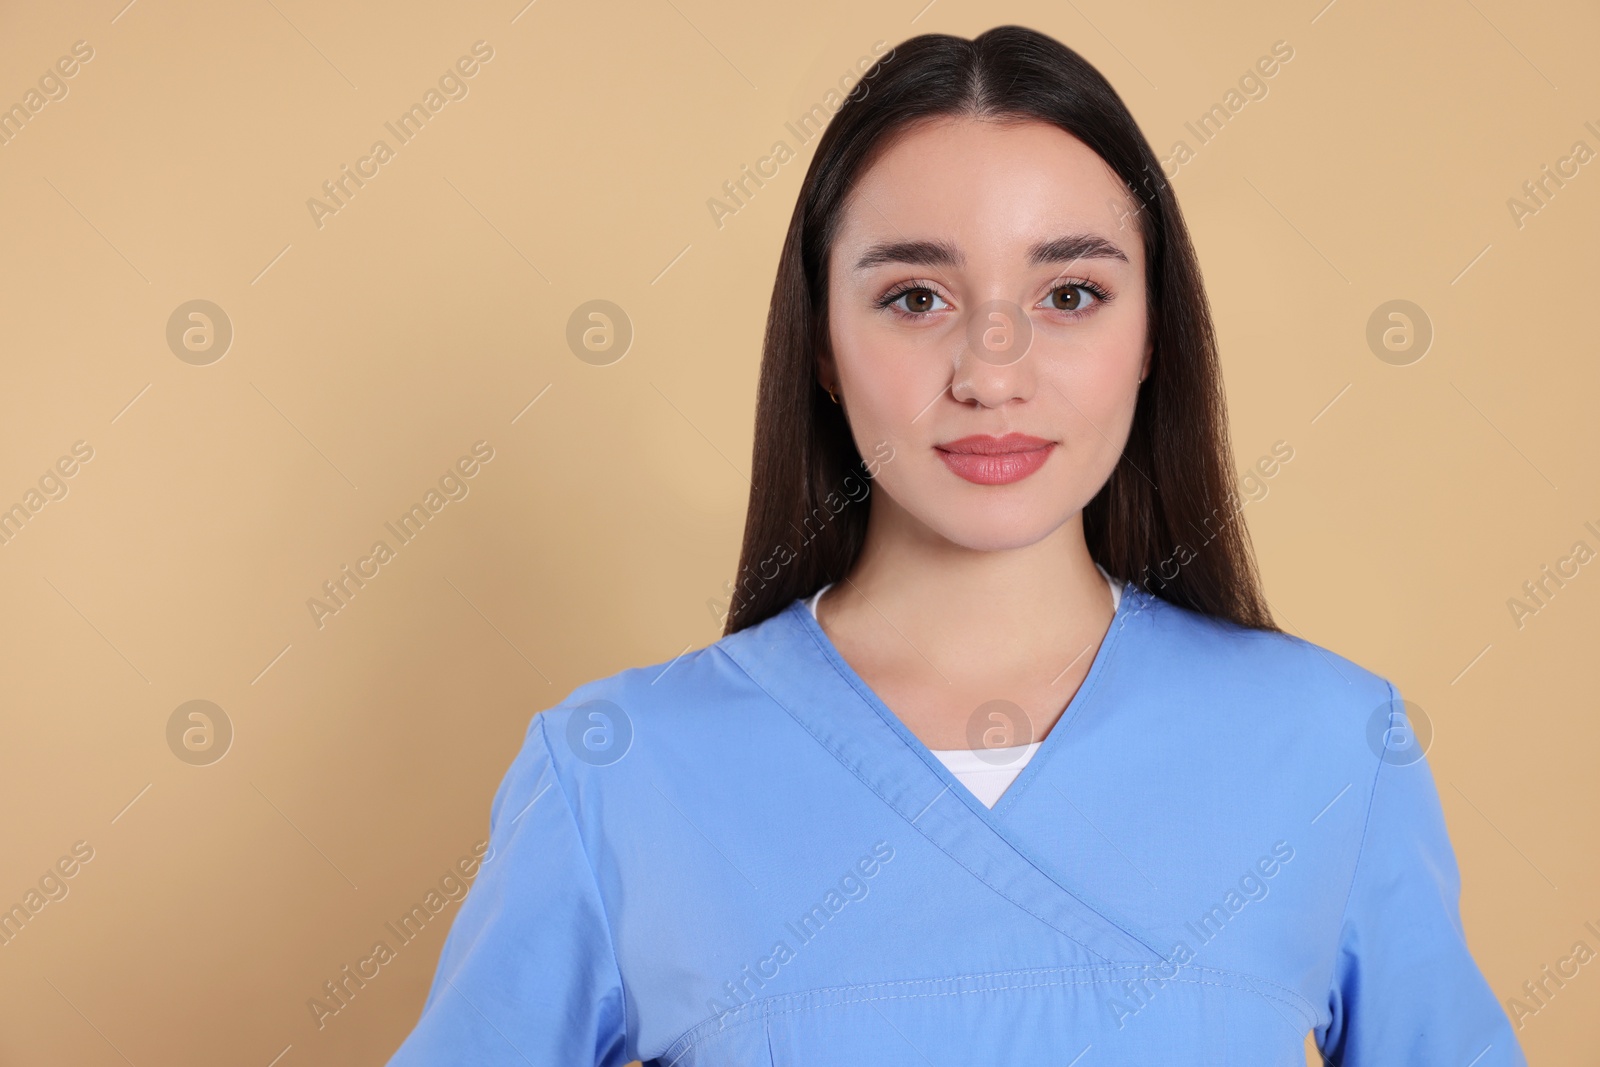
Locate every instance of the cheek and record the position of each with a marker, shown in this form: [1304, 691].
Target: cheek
[1091, 399]
[890, 375]
[1098, 371]
[1101, 388]
[1093, 373]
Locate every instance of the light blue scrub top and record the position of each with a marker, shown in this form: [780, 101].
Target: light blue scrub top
[744, 857]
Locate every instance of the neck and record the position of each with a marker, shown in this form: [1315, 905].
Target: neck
[963, 606]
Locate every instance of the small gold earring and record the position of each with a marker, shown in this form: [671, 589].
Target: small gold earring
[832, 397]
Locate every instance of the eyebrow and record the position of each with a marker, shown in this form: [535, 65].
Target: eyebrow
[1064, 249]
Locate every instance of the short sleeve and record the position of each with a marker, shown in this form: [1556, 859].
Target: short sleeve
[1405, 986]
[528, 973]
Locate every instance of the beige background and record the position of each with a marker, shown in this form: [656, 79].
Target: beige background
[431, 310]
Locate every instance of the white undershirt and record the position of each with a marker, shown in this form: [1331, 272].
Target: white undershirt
[989, 772]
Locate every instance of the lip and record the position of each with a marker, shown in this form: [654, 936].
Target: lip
[987, 460]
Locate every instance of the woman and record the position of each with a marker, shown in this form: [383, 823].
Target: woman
[1003, 761]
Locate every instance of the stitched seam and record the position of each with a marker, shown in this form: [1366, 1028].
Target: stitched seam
[871, 700]
[769, 1013]
[961, 863]
[594, 879]
[1138, 968]
[1113, 633]
[1361, 849]
[1114, 972]
[774, 1013]
[1366, 824]
[952, 978]
[1238, 977]
[1025, 781]
[944, 851]
[1282, 992]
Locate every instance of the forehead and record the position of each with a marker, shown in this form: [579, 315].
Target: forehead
[994, 189]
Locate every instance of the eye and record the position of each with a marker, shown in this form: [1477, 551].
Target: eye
[1076, 298]
[919, 300]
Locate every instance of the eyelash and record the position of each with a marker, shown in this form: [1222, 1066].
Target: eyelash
[1102, 296]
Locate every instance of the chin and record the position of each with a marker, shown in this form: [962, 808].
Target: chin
[996, 529]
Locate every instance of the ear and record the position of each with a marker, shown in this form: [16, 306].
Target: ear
[1149, 358]
[827, 371]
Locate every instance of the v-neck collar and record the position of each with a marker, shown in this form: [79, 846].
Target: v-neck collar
[795, 662]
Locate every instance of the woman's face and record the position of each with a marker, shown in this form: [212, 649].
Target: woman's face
[987, 281]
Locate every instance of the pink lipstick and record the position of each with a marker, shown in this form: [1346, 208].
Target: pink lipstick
[986, 460]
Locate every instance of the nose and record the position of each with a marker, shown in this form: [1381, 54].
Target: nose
[992, 364]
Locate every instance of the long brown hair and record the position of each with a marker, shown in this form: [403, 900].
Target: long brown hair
[1168, 517]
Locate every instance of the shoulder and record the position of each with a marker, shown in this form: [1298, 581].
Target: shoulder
[1288, 723]
[665, 709]
[1251, 667]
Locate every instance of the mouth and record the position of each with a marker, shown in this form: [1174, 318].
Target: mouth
[985, 460]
